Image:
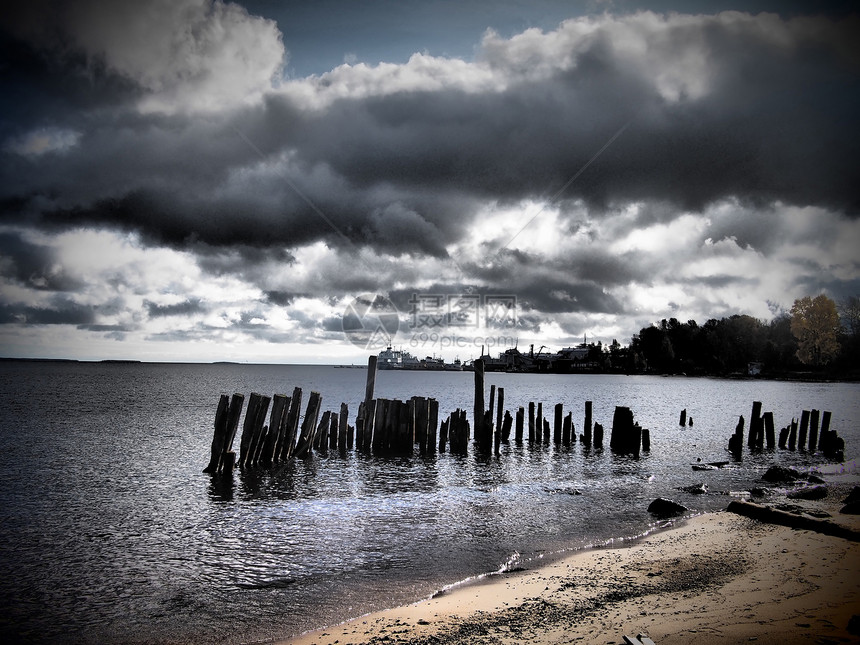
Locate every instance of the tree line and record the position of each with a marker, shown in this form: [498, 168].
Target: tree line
[817, 335]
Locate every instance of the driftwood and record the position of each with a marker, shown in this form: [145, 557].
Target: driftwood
[783, 518]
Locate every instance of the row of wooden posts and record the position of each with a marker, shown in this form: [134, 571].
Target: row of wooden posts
[385, 426]
[802, 435]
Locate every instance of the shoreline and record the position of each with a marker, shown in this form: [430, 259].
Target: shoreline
[719, 576]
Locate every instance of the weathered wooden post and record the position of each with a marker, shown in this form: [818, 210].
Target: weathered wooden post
[598, 435]
[343, 429]
[291, 432]
[371, 414]
[253, 430]
[539, 423]
[520, 422]
[309, 424]
[586, 434]
[683, 419]
[506, 426]
[492, 403]
[361, 421]
[478, 416]
[276, 426]
[320, 442]
[432, 422]
[566, 429]
[333, 431]
[792, 435]
[754, 424]
[804, 428]
[646, 440]
[736, 441]
[783, 437]
[248, 426]
[769, 429]
[531, 422]
[825, 421]
[219, 435]
[500, 407]
[557, 423]
[813, 430]
[618, 436]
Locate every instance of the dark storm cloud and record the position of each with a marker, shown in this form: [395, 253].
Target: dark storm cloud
[184, 308]
[33, 265]
[402, 171]
[60, 311]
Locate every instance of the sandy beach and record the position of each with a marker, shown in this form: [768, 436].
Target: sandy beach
[716, 578]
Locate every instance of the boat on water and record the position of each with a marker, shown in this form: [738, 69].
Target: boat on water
[399, 359]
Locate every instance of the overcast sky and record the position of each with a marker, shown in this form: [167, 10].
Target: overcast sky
[204, 181]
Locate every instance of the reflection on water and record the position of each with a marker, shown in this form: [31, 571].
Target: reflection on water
[110, 532]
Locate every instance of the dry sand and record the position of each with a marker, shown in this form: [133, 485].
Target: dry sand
[717, 578]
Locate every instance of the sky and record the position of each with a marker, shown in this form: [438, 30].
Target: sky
[297, 182]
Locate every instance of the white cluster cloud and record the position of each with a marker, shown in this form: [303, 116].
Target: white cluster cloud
[184, 56]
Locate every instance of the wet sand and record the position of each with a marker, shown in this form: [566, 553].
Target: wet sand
[716, 578]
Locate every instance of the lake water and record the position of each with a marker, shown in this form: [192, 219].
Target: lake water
[111, 533]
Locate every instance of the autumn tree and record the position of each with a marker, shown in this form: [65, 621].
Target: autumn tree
[815, 325]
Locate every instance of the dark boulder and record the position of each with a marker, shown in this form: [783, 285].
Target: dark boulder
[852, 508]
[663, 508]
[853, 496]
[695, 489]
[781, 474]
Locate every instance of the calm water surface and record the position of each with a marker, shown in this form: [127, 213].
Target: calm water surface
[110, 532]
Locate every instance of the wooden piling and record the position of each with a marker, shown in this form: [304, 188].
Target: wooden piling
[557, 423]
[646, 440]
[371, 412]
[291, 432]
[598, 435]
[792, 435]
[804, 428]
[432, 422]
[518, 430]
[478, 417]
[500, 407]
[539, 423]
[813, 430]
[248, 455]
[276, 426]
[492, 403]
[248, 426]
[343, 440]
[767, 417]
[825, 421]
[754, 424]
[443, 435]
[783, 437]
[531, 422]
[219, 435]
[370, 384]
[586, 431]
[507, 422]
[566, 425]
[308, 425]
[683, 419]
[334, 431]
[622, 426]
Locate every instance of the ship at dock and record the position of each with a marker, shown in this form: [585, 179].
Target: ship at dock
[399, 359]
[564, 361]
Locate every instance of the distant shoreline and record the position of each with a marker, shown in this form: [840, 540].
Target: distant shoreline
[810, 377]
